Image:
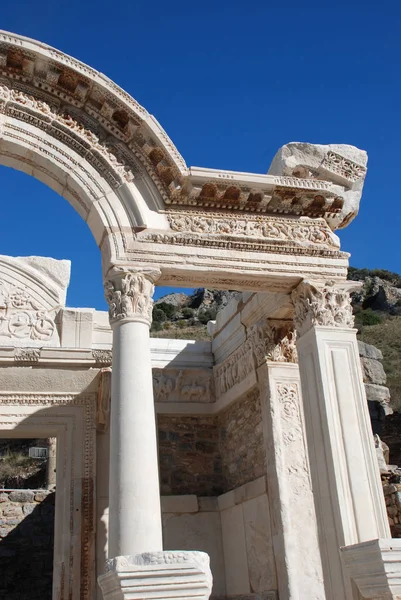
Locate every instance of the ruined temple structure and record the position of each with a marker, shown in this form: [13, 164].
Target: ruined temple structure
[262, 457]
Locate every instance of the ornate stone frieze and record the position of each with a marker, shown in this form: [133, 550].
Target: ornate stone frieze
[103, 357]
[21, 316]
[326, 304]
[129, 295]
[228, 224]
[63, 126]
[234, 369]
[27, 355]
[346, 168]
[273, 341]
[182, 385]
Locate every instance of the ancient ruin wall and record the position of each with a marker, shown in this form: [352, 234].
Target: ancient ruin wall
[26, 544]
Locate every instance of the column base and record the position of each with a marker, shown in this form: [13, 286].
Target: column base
[171, 575]
[374, 568]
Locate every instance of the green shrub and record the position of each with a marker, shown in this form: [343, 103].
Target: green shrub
[369, 317]
[208, 314]
[156, 326]
[168, 309]
[187, 312]
[158, 315]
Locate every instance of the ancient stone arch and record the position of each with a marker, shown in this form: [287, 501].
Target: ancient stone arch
[74, 129]
[158, 221]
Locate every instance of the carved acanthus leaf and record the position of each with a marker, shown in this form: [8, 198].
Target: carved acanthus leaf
[326, 304]
[275, 342]
[129, 295]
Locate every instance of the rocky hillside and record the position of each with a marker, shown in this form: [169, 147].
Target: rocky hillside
[377, 309]
[185, 316]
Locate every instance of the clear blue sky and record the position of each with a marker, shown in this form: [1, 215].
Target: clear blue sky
[231, 82]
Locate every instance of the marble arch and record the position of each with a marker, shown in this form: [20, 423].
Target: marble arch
[157, 220]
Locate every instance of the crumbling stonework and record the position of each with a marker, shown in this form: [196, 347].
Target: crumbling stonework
[26, 544]
[392, 496]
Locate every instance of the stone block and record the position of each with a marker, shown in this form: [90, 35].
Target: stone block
[3, 498]
[29, 507]
[377, 393]
[373, 371]
[208, 504]
[155, 575]
[40, 496]
[369, 351]
[179, 504]
[235, 554]
[12, 510]
[259, 544]
[21, 496]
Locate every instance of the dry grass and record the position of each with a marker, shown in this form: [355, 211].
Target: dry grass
[16, 467]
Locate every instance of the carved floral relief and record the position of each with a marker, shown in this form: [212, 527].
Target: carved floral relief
[22, 317]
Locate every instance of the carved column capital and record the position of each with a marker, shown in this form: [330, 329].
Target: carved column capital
[129, 292]
[273, 340]
[323, 303]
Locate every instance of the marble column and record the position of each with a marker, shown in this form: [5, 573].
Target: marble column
[345, 476]
[134, 511]
[137, 566]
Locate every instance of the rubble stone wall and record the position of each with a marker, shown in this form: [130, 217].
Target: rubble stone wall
[26, 544]
[210, 455]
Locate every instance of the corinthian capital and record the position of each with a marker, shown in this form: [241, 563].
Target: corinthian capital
[129, 294]
[326, 304]
[273, 341]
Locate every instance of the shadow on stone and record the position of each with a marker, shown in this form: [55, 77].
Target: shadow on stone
[26, 545]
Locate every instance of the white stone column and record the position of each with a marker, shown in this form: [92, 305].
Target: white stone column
[134, 511]
[345, 476]
[295, 539]
[137, 566]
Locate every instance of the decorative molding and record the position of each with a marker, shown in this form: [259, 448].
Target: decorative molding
[129, 295]
[346, 168]
[314, 231]
[27, 355]
[78, 548]
[273, 341]
[103, 400]
[326, 304]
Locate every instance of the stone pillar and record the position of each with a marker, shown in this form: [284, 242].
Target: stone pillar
[295, 539]
[51, 463]
[137, 566]
[345, 476]
[134, 511]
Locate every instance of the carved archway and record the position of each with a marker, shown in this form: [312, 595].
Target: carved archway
[78, 132]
